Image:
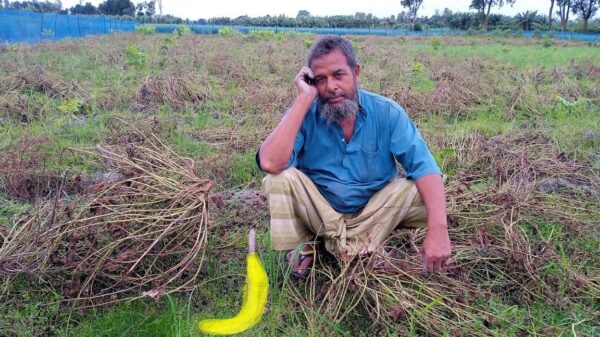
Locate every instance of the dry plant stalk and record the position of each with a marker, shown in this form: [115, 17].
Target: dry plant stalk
[23, 174]
[140, 231]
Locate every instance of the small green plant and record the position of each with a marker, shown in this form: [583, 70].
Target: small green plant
[135, 57]
[436, 42]
[308, 43]
[418, 69]
[262, 34]
[69, 106]
[165, 47]
[443, 157]
[229, 32]
[146, 30]
[563, 107]
[547, 42]
[182, 30]
[167, 42]
[286, 35]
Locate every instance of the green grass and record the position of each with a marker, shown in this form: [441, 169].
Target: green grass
[11, 210]
[521, 56]
[167, 318]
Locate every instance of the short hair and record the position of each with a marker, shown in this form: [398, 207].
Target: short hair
[328, 44]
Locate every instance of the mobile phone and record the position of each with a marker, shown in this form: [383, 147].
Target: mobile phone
[309, 80]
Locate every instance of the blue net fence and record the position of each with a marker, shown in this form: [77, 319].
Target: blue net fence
[214, 29]
[25, 26]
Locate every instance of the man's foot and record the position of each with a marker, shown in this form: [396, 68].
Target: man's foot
[301, 260]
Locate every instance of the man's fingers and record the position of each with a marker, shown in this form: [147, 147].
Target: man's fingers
[432, 264]
[428, 263]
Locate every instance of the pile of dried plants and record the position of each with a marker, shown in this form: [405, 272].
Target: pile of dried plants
[179, 91]
[138, 230]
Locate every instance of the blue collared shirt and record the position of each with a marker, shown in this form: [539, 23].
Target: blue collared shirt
[348, 174]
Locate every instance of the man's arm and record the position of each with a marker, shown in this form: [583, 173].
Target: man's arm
[276, 150]
[436, 246]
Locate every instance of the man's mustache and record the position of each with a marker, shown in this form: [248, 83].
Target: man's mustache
[327, 97]
[330, 97]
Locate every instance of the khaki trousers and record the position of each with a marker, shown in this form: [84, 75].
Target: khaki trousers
[299, 213]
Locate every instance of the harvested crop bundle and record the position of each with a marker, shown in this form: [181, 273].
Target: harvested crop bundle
[139, 230]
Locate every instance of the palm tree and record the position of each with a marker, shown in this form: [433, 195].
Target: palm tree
[527, 19]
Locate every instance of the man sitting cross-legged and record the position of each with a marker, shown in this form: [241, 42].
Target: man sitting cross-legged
[331, 164]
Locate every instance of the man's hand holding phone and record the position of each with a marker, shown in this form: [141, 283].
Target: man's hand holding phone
[305, 83]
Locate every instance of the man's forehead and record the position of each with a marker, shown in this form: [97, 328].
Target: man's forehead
[336, 57]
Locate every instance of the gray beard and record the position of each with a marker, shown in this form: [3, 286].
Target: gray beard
[335, 114]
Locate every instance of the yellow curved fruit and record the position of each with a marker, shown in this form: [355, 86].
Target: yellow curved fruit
[256, 290]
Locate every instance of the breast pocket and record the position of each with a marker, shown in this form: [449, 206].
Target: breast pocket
[369, 146]
[369, 163]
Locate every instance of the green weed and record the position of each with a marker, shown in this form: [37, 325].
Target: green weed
[436, 42]
[146, 30]
[261, 34]
[229, 32]
[135, 57]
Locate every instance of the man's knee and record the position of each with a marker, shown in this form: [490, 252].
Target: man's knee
[282, 180]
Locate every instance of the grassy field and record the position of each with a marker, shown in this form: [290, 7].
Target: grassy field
[513, 123]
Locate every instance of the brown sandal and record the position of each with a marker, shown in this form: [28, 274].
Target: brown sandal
[300, 261]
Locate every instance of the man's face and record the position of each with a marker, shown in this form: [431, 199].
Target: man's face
[337, 86]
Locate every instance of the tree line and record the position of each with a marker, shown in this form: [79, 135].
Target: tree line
[482, 18]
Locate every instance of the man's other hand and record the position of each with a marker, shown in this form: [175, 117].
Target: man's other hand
[436, 249]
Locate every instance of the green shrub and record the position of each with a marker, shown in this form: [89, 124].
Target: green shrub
[146, 30]
[548, 42]
[418, 69]
[262, 34]
[136, 58]
[71, 105]
[290, 34]
[565, 107]
[436, 42]
[182, 30]
[164, 50]
[229, 32]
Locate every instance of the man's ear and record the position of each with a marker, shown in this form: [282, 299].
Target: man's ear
[356, 71]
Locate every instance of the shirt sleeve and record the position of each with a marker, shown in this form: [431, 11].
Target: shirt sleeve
[408, 147]
[298, 144]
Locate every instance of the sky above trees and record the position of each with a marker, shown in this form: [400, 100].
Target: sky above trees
[381, 8]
